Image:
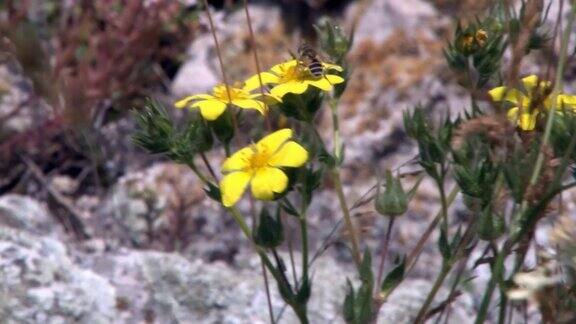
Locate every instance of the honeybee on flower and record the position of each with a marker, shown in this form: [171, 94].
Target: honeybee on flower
[297, 75]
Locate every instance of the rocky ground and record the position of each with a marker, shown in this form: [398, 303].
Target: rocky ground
[160, 252]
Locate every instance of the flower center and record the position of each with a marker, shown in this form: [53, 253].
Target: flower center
[221, 92]
[293, 73]
[259, 159]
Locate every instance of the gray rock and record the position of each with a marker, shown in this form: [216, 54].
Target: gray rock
[25, 213]
[197, 74]
[15, 95]
[40, 283]
[382, 17]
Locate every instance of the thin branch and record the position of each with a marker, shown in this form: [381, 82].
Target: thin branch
[256, 60]
[74, 220]
[218, 53]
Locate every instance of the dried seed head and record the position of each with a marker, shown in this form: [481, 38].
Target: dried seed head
[497, 130]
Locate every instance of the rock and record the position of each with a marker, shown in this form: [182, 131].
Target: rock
[15, 97]
[197, 74]
[165, 207]
[64, 184]
[382, 17]
[171, 289]
[40, 283]
[25, 213]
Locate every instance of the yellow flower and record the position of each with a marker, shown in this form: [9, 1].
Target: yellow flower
[292, 77]
[536, 93]
[213, 105]
[259, 165]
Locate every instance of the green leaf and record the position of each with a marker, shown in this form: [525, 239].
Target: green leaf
[213, 192]
[366, 274]
[304, 292]
[444, 246]
[223, 127]
[270, 233]
[348, 309]
[290, 209]
[490, 225]
[394, 277]
[154, 128]
[364, 304]
[327, 159]
[311, 181]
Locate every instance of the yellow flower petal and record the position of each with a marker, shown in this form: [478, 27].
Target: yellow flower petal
[321, 84]
[250, 104]
[239, 160]
[186, 100]
[267, 99]
[565, 102]
[253, 82]
[526, 121]
[326, 82]
[281, 68]
[268, 181]
[210, 109]
[232, 186]
[296, 87]
[503, 93]
[333, 67]
[531, 81]
[334, 79]
[271, 143]
[291, 154]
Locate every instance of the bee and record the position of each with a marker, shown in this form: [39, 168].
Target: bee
[309, 59]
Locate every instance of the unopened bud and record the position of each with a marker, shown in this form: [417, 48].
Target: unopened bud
[490, 225]
[393, 201]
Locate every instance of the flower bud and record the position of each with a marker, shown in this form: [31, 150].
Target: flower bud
[490, 225]
[270, 233]
[333, 40]
[393, 201]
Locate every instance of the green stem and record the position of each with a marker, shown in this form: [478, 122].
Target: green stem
[483, 312]
[413, 256]
[347, 219]
[227, 149]
[200, 175]
[336, 128]
[437, 284]
[444, 203]
[503, 307]
[304, 233]
[240, 221]
[384, 252]
[301, 313]
[299, 309]
[446, 268]
[354, 240]
[497, 271]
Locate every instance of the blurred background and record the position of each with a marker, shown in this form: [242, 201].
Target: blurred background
[94, 230]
